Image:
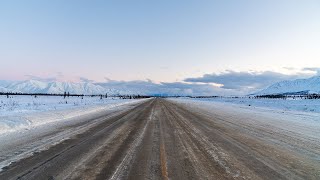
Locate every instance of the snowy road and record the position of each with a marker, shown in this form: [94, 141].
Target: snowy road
[168, 139]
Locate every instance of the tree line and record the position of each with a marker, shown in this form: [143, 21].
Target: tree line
[67, 94]
[281, 96]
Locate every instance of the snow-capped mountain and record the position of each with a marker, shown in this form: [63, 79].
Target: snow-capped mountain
[311, 85]
[30, 86]
[74, 88]
[2, 89]
[35, 86]
[4, 83]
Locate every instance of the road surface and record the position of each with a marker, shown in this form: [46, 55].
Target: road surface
[162, 139]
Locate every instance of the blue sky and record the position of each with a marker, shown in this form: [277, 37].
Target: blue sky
[165, 41]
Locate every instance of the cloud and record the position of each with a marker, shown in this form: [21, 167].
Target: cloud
[289, 68]
[55, 77]
[245, 81]
[196, 89]
[47, 79]
[86, 80]
[165, 88]
[315, 70]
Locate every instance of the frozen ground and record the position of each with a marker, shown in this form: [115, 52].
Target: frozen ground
[305, 105]
[26, 112]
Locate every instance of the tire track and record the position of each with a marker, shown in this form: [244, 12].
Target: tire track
[124, 166]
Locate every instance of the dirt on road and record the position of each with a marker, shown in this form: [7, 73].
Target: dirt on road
[161, 139]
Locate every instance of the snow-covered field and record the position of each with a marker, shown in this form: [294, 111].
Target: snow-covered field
[25, 112]
[300, 116]
[305, 105]
[305, 123]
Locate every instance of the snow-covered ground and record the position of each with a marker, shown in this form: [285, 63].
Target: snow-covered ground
[291, 121]
[305, 105]
[25, 112]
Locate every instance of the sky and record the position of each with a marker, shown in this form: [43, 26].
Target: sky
[226, 44]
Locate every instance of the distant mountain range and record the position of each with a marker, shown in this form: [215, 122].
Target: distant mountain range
[111, 87]
[34, 86]
[298, 86]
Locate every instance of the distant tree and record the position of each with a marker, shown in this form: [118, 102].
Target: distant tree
[106, 95]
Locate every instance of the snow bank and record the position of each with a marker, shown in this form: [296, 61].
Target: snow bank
[26, 112]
